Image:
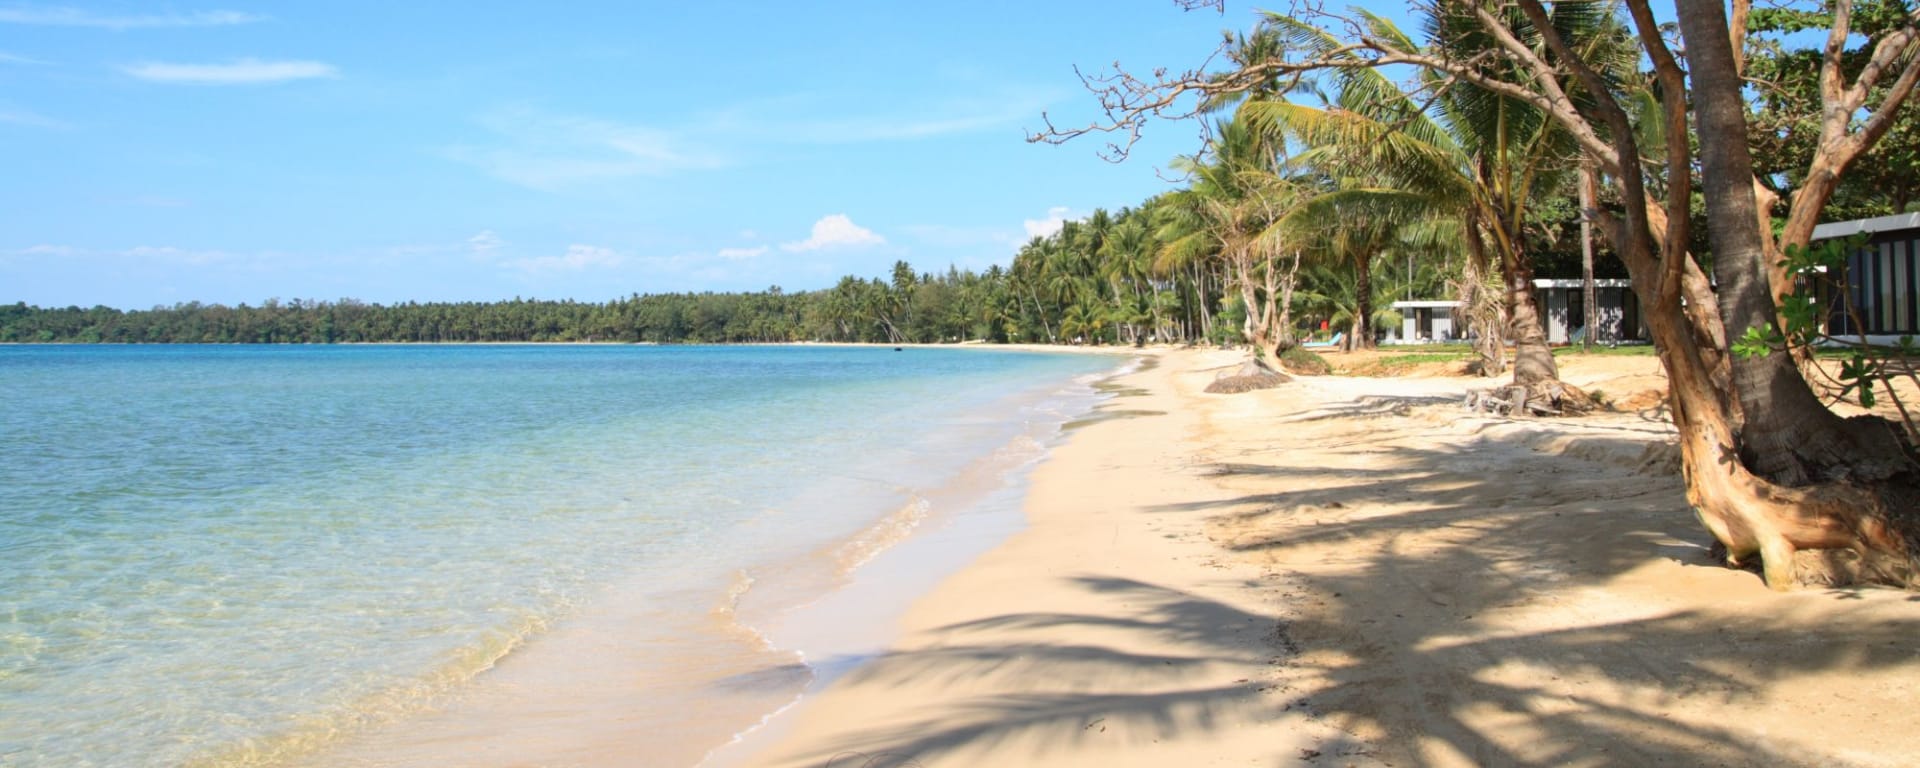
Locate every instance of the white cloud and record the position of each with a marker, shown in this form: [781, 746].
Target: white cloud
[48, 250]
[577, 258]
[1056, 217]
[945, 236]
[545, 151]
[835, 231]
[157, 201]
[52, 16]
[8, 58]
[28, 118]
[485, 243]
[742, 254]
[848, 118]
[240, 72]
[165, 254]
[168, 253]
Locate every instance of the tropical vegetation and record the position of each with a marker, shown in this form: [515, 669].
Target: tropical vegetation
[1738, 122]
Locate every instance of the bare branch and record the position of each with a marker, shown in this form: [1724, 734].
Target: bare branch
[1886, 53]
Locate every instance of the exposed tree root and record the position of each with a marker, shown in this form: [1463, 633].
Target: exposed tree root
[1830, 533]
[1548, 397]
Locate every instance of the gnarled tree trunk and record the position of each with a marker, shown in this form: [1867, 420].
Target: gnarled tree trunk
[1533, 362]
[1486, 317]
[1789, 474]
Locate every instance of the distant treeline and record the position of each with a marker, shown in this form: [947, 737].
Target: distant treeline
[766, 316]
[960, 305]
[1145, 273]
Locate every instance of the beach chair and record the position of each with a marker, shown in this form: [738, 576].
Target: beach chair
[1333, 342]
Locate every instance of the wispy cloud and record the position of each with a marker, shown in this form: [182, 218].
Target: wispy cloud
[12, 116]
[157, 201]
[742, 254]
[577, 258]
[62, 16]
[48, 250]
[946, 236]
[485, 243]
[173, 255]
[885, 128]
[165, 254]
[241, 72]
[835, 231]
[1056, 217]
[545, 151]
[818, 119]
[9, 58]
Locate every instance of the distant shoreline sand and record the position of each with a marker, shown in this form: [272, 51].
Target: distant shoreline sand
[1354, 571]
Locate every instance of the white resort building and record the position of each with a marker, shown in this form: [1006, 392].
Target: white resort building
[1562, 312]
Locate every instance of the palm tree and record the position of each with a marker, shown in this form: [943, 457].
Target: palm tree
[1354, 226]
[1479, 155]
[1231, 212]
[1126, 263]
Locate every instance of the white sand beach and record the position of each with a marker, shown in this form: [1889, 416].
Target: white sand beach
[1357, 571]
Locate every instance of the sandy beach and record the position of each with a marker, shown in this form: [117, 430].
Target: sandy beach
[1356, 571]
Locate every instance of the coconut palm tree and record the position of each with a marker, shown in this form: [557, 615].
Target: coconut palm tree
[1477, 154]
[1231, 214]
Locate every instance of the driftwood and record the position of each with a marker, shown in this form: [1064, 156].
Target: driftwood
[1508, 401]
[1547, 398]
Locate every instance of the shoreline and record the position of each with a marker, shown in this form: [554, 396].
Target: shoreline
[778, 625]
[1100, 634]
[1101, 349]
[879, 593]
[1352, 571]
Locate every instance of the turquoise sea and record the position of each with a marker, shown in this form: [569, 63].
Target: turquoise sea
[261, 555]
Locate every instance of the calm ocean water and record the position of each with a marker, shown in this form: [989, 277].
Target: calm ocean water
[238, 555]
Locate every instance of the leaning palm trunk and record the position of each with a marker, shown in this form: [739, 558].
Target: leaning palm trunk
[1484, 311]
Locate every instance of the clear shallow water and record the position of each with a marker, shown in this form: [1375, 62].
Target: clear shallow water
[229, 554]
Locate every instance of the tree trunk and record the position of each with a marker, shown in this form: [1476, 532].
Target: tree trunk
[1590, 312]
[1042, 312]
[1360, 335]
[1289, 280]
[1743, 481]
[1786, 434]
[1203, 322]
[1750, 516]
[1533, 362]
[1486, 321]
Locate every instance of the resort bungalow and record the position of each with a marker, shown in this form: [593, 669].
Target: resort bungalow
[1562, 306]
[1563, 310]
[1423, 322]
[1874, 295]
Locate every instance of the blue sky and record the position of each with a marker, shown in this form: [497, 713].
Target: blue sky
[231, 152]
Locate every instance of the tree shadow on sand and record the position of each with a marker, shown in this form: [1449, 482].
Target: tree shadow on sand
[1392, 648]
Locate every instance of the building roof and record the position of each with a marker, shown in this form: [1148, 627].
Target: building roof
[1897, 221]
[1542, 282]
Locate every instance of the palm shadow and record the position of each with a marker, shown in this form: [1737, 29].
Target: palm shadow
[1443, 686]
